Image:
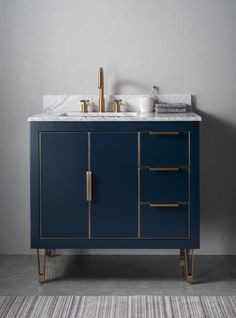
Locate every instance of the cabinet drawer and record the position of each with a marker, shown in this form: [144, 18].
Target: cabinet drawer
[164, 148]
[163, 185]
[164, 222]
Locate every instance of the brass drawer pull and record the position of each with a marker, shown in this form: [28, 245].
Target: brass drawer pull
[164, 168]
[164, 205]
[164, 133]
[88, 186]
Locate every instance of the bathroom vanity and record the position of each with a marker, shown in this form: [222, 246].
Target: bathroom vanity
[115, 182]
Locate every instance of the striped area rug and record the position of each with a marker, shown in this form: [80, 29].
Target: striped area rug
[118, 307]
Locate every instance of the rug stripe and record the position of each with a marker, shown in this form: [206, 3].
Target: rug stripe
[118, 307]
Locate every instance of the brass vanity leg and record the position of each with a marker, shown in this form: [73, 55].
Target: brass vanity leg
[42, 274]
[182, 259]
[189, 260]
[50, 252]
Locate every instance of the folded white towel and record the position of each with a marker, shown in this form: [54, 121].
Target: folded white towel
[171, 108]
[173, 105]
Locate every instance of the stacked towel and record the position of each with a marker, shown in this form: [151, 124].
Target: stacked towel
[170, 108]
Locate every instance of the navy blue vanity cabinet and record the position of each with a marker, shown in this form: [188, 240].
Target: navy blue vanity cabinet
[115, 185]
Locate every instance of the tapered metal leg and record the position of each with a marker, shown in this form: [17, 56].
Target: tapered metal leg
[189, 262]
[42, 273]
[182, 260]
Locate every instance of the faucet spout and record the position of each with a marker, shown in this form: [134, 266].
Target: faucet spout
[101, 90]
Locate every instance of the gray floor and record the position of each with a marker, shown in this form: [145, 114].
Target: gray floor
[117, 275]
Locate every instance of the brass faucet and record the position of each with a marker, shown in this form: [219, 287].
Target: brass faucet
[84, 105]
[101, 90]
[117, 103]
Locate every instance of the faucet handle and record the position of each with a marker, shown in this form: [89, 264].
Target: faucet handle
[117, 103]
[84, 105]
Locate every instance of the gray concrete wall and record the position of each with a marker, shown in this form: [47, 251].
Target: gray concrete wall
[56, 47]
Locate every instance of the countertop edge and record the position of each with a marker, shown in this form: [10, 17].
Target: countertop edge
[44, 117]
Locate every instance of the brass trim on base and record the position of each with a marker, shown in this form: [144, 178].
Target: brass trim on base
[182, 259]
[189, 265]
[189, 279]
[41, 278]
[42, 274]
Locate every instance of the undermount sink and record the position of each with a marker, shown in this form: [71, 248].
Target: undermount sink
[97, 114]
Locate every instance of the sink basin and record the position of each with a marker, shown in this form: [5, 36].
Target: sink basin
[96, 114]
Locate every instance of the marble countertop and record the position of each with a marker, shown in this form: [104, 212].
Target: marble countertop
[99, 117]
[67, 108]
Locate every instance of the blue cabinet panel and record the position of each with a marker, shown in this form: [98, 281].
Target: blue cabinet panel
[62, 152]
[114, 207]
[63, 159]
[164, 150]
[164, 222]
[164, 186]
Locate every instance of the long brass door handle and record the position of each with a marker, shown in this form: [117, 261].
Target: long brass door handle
[88, 186]
[164, 133]
[163, 168]
[164, 205]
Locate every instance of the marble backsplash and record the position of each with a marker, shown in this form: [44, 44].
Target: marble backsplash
[57, 103]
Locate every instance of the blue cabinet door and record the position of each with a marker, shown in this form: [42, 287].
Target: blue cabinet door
[63, 161]
[114, 207]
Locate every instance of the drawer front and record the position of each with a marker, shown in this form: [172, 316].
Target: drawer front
[164, 222]
[164, 186]
[164, 148]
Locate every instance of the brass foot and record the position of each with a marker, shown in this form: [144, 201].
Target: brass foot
[182, 260]
[50, 252]
[190, 279]
[42, 274]
[41, 278]
[189, 260]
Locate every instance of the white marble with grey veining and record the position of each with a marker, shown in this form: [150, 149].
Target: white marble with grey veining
[68, 108]
[57, 117]
[130, 102]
